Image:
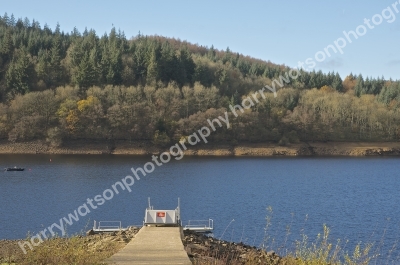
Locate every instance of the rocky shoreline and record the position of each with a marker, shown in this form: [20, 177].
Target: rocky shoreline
[245, 149]
[202, 249]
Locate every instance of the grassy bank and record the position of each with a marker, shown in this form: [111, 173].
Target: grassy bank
[243, 149]
[79, 249]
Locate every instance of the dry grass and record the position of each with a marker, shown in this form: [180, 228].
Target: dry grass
[323, 252]
[79, 250]
[75, 250]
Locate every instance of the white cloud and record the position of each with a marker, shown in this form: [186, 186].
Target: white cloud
[393, 63]
[331, 64]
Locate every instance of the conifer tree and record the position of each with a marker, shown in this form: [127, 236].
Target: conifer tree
[152, 70]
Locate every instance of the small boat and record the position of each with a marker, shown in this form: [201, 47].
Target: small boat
[14, 169]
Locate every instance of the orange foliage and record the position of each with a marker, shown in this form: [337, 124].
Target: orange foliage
[349, 83]
[327, 89]
[72, 119]
[86, 103]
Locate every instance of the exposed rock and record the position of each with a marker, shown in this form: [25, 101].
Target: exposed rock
[242, 149]
[207, 250]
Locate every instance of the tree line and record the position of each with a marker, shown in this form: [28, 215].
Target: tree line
[58, 86]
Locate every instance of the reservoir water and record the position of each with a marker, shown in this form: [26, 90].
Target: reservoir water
[357, 198]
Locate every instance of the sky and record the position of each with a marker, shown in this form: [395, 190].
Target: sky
[284, 32]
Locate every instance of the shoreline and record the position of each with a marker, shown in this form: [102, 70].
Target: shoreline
[357, 149]
[200, 248]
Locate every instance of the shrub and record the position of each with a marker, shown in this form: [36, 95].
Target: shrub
[283, 141]
[293, 138]
[54, 137]
[161, 138]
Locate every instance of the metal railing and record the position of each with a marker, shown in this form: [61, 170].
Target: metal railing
[205, 224]
[108, 225]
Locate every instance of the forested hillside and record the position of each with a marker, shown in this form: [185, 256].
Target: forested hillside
[58, 86]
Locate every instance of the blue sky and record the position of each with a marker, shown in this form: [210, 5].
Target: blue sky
[284, 32]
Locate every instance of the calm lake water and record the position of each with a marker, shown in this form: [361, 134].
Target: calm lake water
[357, 198]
